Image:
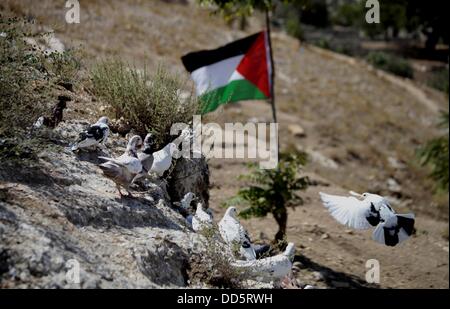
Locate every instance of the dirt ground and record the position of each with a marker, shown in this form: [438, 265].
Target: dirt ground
[362, 130]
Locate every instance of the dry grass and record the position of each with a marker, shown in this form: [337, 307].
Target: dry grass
[149, 102]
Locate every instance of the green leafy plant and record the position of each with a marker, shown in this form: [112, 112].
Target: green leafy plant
[149, 102]
[273, 191]
[390, 63]
[439, 80]
[435, 154]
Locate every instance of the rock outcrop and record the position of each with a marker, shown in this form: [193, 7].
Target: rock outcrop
[60, 212]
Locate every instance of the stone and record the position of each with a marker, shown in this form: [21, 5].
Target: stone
[393, 185]
[319, 276]
[296, 130]
[340, 284]
[190, 175]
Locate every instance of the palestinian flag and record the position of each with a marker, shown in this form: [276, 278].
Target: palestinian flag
[238, 71]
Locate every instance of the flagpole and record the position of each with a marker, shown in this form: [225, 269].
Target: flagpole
[272, 77]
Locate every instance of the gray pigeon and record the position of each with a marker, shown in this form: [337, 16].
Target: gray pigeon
[124, 169]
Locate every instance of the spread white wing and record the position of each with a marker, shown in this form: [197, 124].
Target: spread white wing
[347, 210]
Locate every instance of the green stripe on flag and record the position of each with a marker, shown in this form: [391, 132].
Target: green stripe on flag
[237, 90]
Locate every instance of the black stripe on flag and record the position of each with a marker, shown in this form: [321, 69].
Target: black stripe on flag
[196, 60]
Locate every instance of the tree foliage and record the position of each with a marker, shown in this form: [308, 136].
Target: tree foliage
[435, 154]
[271, 191]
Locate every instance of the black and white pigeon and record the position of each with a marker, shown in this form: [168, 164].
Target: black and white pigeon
[363, 211]
[234, 234]
[202, 219]
[95, 135]
[146, 156]
[123, 170]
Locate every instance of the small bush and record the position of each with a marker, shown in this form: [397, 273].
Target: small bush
[150, 102]
[28, 76]
[348, 14]
[65, 66]
[214, 267]
[323, 43]
[294, 27]
[390, 63]
[439, 80]
[271, 191]
[436, 154]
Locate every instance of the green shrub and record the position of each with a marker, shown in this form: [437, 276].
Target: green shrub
[323, 43]
[390, 63]
[272, 191]
[294, 27]
[349, 14]
[65, 66]
[27, 77]
[439, 80]
[435, 154]
[150, 102]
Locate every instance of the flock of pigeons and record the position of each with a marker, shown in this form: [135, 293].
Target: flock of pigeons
[132, 165]
[358, 211]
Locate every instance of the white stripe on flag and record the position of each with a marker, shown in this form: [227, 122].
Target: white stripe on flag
[215, 75]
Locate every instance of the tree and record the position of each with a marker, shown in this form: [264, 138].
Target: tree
[435, 154]
[272, 191]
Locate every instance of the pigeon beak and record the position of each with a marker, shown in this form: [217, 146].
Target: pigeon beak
[356, 194]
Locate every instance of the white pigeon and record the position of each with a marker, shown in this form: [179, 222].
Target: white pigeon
[271, 268]
[123, 170]
[185, 203]
[96, 135]
[234, 234]
[162, 159]
[202, 219]
[370, 210]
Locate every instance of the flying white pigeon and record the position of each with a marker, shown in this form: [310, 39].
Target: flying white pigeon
[202, 218]
[95, 135]
[370, 210]
[123, 170]
[162, 159]
[233, 233]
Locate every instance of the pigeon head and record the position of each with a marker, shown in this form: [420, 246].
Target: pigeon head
[173, 149]
[372, 197]
[148, 140]
[103, 120]
[190, 196]
[290, 251]
[199, 207]
[134, 143]
[232, 212]
[148, 143]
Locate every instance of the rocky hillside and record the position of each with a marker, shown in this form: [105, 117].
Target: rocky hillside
[360, 127]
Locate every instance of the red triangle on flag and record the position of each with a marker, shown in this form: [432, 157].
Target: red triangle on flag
[255, 67]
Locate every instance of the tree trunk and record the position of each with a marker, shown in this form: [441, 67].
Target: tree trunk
[281, 217]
